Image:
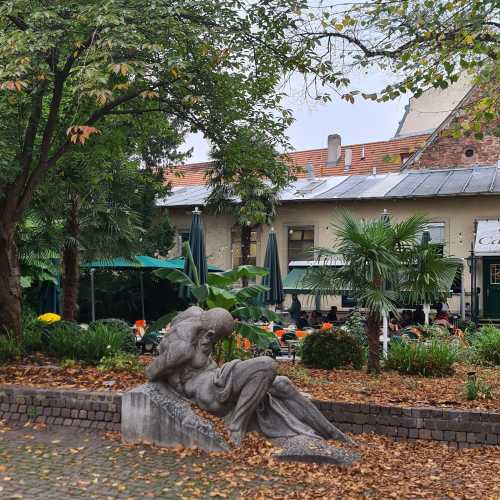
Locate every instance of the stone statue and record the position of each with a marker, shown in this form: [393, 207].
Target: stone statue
[248, 394]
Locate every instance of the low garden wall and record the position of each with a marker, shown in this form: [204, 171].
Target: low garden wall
[102, 410]
[70, 408]
[458, 428]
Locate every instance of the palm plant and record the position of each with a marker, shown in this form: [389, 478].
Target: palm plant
[220, 291]
[384, 264]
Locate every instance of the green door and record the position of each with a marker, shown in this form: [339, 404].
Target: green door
[492, 287]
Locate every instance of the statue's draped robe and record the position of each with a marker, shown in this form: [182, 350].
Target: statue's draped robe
[273, 416]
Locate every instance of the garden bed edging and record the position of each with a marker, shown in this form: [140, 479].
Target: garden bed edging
[102, 411]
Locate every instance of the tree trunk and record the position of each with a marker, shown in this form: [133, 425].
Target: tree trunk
[10, 285]
[373, 333]
[71, 262]
[246, 239]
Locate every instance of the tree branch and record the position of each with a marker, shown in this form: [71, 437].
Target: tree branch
[18, 22]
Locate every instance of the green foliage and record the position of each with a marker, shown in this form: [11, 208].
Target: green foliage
[121, 361]
[67, 363]
[475, 388]
[355, 325]
[121, 327]
[486, 345]
[329, 350]
[227, 349]
[9, 348]
[100, 341]
[34, 331]
[219, 291]
[66, 340]
[63, 340]
[434, 358]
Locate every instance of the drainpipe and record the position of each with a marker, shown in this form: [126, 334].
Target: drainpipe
[462, 291]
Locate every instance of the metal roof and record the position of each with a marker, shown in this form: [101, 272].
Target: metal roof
[484, 179]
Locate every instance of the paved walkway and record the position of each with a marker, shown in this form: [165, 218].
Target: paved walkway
[64, 464]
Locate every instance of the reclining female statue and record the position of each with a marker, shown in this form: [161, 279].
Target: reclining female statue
[248, 394]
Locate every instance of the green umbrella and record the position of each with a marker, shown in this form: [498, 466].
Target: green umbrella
[197, 246]
[273, 279]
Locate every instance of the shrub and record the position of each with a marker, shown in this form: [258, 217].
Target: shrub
[9, 349]
[486, 345]
[67, 340]
[100, 341]
[355, 325]
[33, 331]
[121, 361]
[433, 358]
[330, 350]
[62, 340]
[475, 388]
[121, 326]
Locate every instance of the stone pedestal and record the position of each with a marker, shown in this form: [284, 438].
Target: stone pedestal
[155, 414]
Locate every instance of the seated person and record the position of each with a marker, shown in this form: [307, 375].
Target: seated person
[406, 319]
[316, 318]
[331, 317]
[441, 318]
[303, 322]
[393, 323]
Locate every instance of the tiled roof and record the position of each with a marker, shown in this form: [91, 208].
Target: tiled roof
[383, 156]
[481, 179]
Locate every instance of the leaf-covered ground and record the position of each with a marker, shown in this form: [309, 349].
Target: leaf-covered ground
[339, 385]
[35, 463]
[392, 388]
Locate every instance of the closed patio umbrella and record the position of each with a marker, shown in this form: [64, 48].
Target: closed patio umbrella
[197, 246]
[273, 279]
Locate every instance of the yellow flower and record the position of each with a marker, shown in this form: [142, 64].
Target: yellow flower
[49, 318]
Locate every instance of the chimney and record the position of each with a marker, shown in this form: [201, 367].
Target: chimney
[374, 171]
[310, 171]
[334, 150]
[347, 159]
[362, 152]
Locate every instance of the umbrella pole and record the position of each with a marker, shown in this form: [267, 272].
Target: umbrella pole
[141, 278]
[92, 294]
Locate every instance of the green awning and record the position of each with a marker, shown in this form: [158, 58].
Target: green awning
[141, 262]
[294, 283]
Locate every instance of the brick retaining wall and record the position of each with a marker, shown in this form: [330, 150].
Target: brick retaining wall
[102, 410]
[91, 410]
[459, 428]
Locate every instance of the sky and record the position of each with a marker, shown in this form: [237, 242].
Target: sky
[361, 122]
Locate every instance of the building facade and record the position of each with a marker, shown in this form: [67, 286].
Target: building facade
[455, 182]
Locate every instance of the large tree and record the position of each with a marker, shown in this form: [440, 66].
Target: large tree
[66, 66]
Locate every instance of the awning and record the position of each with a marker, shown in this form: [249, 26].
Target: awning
[141, 262]
[487, 238]
[294, 283]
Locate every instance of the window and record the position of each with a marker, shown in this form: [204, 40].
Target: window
[469, 153]
[436, 232]
[495, 274]
[300, 243]
[184, 234]
[236, 247]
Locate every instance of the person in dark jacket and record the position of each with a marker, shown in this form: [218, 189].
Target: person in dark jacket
[295, 308]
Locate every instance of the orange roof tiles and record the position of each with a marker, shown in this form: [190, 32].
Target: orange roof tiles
[384, 156]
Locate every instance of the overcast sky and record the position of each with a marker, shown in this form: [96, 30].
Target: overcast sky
[363, 121]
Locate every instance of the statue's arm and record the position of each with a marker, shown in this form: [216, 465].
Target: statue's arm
[176, 354]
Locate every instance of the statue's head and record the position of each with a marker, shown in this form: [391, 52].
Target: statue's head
[216, 324]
